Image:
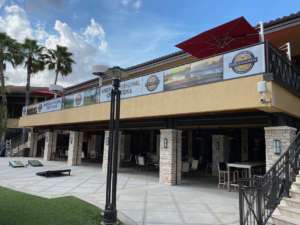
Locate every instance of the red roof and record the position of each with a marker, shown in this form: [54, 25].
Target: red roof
[232, 35]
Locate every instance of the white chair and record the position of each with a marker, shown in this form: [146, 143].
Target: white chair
[223, 174]
[141, 161]
[185, 167]
[195, 164]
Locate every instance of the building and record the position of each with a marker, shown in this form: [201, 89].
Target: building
[16, 102]
[232, 102]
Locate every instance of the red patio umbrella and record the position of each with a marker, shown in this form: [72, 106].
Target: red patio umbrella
[232, 35]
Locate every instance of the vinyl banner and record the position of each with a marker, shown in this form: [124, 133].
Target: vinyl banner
[244, 62]
[90, 96]
[50, 106]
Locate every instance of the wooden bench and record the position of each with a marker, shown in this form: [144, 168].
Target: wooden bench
[54, 173]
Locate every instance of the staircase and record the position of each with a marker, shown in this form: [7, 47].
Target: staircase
[288, 212]
[274, 198]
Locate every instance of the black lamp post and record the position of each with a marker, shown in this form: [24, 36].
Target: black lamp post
[110, 212]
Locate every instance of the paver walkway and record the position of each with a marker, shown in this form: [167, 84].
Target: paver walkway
[140, 197]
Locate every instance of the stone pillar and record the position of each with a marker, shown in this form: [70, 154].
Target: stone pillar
[92, 146]
[170, 156]
[105, 149]
[50, 145]
[284, 135]
[190, 144]
[244, 144]
[220, 151]
[75, 148]
[32, 142]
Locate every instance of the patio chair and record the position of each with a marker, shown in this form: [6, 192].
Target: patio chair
[141, 162]
[223, 174]
[195, 164]
[185, 167]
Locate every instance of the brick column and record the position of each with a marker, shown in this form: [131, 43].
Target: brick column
[75, 148]
[32, 142]
[50, 144]
[284, 134]
[170, 156]
[105, 149]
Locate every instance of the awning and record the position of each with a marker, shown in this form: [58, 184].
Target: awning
[43, 93]
[232, 35]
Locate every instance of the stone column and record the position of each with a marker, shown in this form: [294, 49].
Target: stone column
[105, 149]
[219, 152]
[50, 145]
[75, 148]
[170, 156]
[190, 144]
[284, 134]
[32, 142]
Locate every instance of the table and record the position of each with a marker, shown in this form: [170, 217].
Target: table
[243, 165]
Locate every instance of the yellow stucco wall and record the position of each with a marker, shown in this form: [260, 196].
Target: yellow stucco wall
[284, 101]
[12, 123]
[230, 95]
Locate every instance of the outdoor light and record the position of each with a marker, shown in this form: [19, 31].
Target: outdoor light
[165, 142]
[115, 73]
[277, 146]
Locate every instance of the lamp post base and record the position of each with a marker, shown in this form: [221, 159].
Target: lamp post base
[110, 216]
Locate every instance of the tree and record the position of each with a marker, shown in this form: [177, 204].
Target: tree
[9, 54]
[33, 55]
[60, 60]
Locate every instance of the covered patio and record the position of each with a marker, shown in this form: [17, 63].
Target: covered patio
[141, 199]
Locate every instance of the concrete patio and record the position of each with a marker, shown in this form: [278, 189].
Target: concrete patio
[141, 199]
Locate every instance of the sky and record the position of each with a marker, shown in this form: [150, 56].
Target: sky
[121, 32]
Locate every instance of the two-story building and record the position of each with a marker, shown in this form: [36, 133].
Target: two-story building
[231, 94]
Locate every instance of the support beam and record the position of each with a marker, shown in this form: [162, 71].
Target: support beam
[170, 156]
[32, 141]
[105, 149]
[50, 145]
[75, 148]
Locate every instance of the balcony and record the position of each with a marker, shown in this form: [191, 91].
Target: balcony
[221, 83]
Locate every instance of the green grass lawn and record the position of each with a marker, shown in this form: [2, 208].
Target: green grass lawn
[17, 208]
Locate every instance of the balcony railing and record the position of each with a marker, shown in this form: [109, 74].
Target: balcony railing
[281, 70]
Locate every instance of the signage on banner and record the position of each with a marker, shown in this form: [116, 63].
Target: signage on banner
[244, 62]
[50, 106]
[152, 83]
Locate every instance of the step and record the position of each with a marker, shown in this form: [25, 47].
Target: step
[295, 194]
[289, 212]
[291, 202]
[284, 220]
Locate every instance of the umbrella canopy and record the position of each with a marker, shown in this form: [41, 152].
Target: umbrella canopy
[232, 35]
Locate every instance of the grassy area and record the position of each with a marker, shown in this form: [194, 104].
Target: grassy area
[17, 208]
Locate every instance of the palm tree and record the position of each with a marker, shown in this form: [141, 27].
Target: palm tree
[9, 54]
[34, 63]
[60, 60]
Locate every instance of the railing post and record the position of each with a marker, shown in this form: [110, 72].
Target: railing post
[287, 174]
[241, 205]
[258, 206]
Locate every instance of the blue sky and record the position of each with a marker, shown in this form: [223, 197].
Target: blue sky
[124, 32]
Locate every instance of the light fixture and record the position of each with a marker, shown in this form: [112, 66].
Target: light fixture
[277, 146]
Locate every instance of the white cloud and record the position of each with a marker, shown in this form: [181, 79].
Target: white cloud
[87, 47]
[133, 3]
[2, 2]
[15, 23]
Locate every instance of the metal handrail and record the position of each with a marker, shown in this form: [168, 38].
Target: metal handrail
[259, 196]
